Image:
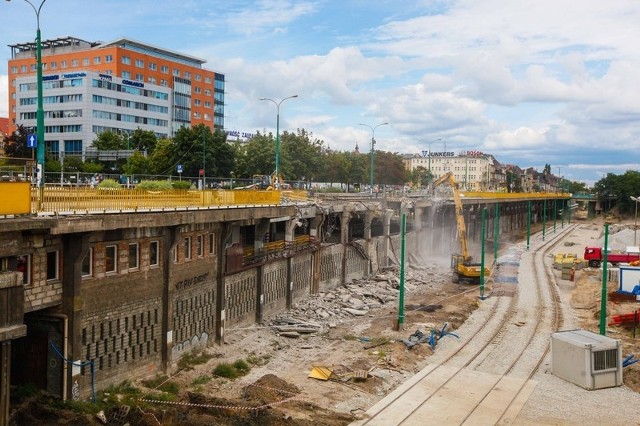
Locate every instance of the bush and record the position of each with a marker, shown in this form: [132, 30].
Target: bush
[181, 184]
[109, 183]
[232, 371]
[154, 185]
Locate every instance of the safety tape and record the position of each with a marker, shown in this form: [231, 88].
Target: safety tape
[294, 395]
[222, 407]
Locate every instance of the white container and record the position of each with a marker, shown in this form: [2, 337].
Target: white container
[586, 359]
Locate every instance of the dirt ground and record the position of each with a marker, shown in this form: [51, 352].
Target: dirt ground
[365, 357]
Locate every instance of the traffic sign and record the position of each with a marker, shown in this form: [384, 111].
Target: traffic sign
[179, 168]
[32, 140]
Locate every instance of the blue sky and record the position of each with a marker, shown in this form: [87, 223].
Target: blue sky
[531, 82]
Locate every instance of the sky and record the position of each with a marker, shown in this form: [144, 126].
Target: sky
[530, 82]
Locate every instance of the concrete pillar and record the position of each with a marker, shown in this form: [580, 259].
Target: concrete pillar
[75, 248]
[386, 226]
[368, 220]
[345, 218]
[261, 229]
[169, 243]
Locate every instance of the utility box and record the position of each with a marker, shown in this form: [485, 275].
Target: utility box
[586, 359]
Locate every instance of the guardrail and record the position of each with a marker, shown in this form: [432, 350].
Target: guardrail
[83, 200]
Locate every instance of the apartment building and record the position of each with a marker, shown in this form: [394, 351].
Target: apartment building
[91, 87]
[472, 170]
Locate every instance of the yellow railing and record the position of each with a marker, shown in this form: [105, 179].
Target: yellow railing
[99, 200]
[515, 195]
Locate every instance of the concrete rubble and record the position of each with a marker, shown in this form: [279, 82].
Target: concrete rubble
[320, 311]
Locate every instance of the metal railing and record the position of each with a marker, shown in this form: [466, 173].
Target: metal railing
[79, 200]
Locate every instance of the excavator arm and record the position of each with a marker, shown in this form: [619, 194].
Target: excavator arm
[462, 229]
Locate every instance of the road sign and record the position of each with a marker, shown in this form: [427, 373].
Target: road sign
[32, 141]
[179, 168]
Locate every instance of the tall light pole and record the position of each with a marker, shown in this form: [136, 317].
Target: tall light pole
[277, 104]
[429, 160]
[635, 222]
[373, 142]
[40, 112]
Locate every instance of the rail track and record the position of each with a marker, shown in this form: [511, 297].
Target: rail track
[507, 343]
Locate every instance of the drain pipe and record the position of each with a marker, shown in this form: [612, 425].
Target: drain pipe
[65, 340]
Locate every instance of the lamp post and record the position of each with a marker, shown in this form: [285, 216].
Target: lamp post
[40, 112]
[429, 159]
[373, 142]
[277, 104]
[635, 222]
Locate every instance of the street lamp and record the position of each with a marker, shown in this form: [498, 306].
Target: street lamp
[277, 104]
[373, 142]
[635, 222]
[429, 144]
[40, 111]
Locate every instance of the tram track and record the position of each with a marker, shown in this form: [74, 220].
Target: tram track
[510, 341]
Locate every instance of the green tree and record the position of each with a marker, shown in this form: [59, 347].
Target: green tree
[421, 176]
[621, 187]
[15, 145]
[137, 164]
[143, 140]
[389, 169]
[301, 157]
[163, 158]
[257, 156]
[110, 141]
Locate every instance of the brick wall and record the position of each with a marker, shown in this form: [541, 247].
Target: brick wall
[274, 286]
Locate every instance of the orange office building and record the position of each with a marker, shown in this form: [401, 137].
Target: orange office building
[91, 87]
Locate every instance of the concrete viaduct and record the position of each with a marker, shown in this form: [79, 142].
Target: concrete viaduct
[90, 300]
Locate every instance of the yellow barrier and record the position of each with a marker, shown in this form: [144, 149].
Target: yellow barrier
[93, 200]
[16, 198]
[515, 195]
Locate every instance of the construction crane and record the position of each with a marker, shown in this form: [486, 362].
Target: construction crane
[462, 267]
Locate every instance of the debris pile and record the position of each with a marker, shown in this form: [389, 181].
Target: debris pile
[351, 300]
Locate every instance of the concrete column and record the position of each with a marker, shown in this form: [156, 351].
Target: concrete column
[368, 220]
[345, 218]
[386, 226]
[261, 229]
[75, 248]
[226, 241]
[169, 243]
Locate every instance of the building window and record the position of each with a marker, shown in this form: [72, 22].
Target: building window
[14, 69]
[176, 72]
[139, 77]
[197, 89]
[154, 254]
[164, 69]
[126, 60]
[187, 74]
[87, 264]
[126, 74]
[153, 66]
[200, 246]
[108, 59]
[187, 248]
[63, 64]
[197, 77]
[74, 62]
[97, 60]
[53, 264]
[133, 256]
[54, 65]
[111, 259]
[152, 80]
[85, 61]
[212, 243]
[139, 63]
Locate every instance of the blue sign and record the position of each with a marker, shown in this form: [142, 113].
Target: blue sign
[179, 168]
[32, 141]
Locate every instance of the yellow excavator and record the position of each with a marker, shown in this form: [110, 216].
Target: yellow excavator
[462, 267]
